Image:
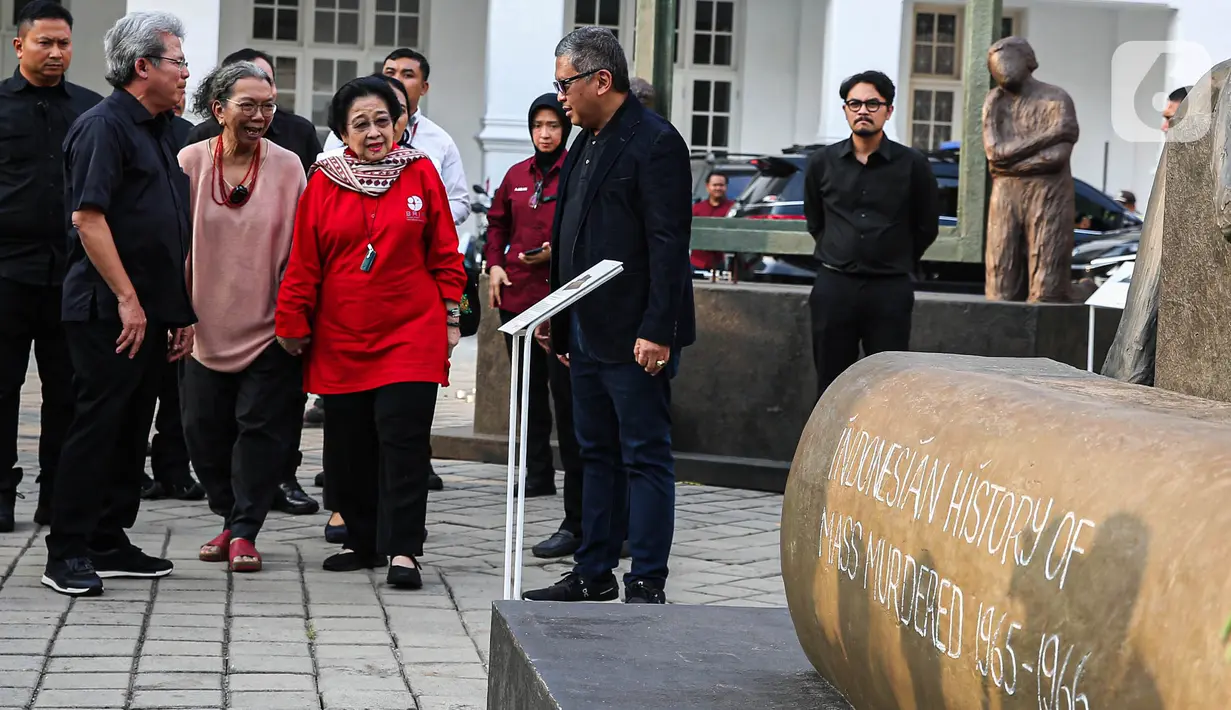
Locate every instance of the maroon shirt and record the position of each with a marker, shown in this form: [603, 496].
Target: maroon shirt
[709, 259]
[513, 223]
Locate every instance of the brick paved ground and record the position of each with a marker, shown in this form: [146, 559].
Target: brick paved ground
[296, 637]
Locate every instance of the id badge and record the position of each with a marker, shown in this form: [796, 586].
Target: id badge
[368, 260]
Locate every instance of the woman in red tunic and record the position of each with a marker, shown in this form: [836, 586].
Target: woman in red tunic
[370, 298]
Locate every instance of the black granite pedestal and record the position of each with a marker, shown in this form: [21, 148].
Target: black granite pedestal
[650, 657]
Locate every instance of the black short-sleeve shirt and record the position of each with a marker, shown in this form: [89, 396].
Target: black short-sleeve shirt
[121, 160]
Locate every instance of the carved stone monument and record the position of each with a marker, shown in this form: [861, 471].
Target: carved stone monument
[1029, 129]
[963, 532]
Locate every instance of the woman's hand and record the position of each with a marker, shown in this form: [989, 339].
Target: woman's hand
[455, 337]
[496, 277]
[294, 346]
[540, 258]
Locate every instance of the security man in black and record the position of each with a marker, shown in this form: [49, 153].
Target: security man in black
[872, 206]
[37, 106]
[126, 312]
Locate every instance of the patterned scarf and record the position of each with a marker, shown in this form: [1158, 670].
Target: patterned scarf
[371, 179]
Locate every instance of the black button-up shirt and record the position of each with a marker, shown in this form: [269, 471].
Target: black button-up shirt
[591, 147]
[874, 219]
[286, 130]
[35, 119]
[121, 161]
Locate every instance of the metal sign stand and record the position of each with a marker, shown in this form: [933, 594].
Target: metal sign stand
[1112, 294]
[522, 330]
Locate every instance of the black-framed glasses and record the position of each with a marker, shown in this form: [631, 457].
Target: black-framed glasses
[537, 198]
[873, 105]
[563, 84]
[181, 63]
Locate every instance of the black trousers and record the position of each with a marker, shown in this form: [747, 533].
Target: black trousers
[378, 459]
[168, 449]
[31, 314]
[550, 384]
[850, 310]
[98, 484]
[242, 432]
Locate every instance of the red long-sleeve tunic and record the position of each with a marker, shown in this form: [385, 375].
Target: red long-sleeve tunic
[386, 325]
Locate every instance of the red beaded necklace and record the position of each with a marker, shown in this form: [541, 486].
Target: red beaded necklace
[241, 193]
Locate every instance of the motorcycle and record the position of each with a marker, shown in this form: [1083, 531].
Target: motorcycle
[474, 248]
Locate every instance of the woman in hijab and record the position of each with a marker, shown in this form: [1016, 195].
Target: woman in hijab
[370, 298]
[518, 255]
[242, 396]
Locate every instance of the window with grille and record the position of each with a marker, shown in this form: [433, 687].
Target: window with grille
[275, 20]
[397, 23]
[933, 114]
[711, 114]
[327, 76]
[713, 33]
[337, 22]
[935, 47]
[598, 13]
[286, 74]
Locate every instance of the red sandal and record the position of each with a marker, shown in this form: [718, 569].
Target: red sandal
[244, 548]
[216, 550]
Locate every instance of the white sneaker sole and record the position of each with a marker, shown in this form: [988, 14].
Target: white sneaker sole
[69, 591]
[120, 574]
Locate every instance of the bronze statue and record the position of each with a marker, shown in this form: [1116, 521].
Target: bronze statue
[1029, 128]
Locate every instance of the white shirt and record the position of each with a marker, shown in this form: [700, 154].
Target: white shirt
[439, 146]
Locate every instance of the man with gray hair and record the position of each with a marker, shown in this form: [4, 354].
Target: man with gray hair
[644, 91]
[126, 308]
[625, 194]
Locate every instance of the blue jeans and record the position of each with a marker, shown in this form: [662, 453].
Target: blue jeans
[622, 417]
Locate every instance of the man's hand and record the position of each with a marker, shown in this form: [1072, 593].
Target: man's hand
[181, 343]
[132, 334]
[541, 258]
[295, 346]
[496, 277]
[542, 336]
[652, 356]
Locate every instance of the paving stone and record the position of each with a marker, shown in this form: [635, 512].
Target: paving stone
[179, 681]
[180, 664]
[181, 648]
[97, 664]
[252, 682]
[19, 679]
[15, 696]
[93, 699]
[160, 699]
[256, 663]
[276, 700]
[82, 680]
[345, 699]
[101, 647]
[428, 702]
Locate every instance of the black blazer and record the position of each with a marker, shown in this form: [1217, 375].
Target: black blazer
[637, 209]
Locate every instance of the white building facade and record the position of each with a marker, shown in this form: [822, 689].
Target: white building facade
[751, 76]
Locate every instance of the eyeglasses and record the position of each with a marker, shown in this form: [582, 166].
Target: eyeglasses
[181, 63]
[537, 198]
[873, 105]
[249, 108]
[563, 84]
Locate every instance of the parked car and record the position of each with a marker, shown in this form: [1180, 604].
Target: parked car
[1099, 258]
[778, 193]
[739, 170]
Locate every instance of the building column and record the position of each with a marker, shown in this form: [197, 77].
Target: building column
[859, 35]
[201, 28]
[521, 65]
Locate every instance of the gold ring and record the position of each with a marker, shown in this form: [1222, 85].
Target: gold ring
[660, 363]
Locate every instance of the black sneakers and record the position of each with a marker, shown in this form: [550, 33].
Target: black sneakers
[572, 588]
[130, 562]
[639, 592]
[74, 577]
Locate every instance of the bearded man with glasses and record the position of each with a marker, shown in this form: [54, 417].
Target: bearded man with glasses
[872, 207]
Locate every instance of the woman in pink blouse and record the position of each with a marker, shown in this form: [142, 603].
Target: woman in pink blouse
[241, 392]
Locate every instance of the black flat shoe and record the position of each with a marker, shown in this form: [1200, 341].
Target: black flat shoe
[319, 481]
[291, 499]
[405, 577]
[434, 482]
[351, 561]
[335, 534]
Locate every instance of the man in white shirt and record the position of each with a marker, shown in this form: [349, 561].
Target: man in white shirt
[412, 69]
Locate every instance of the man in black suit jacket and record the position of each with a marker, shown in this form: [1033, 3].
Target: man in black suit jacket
[625, 194]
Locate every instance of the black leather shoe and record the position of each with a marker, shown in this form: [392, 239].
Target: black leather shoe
[434, 482]
[538, 491]
[8, 499]
[572, 588]
[335, 534]
[151, 489]
[291, 499]
[405, 577]
[561, 544]
[351, 561]
[315, 416]
[319, 481]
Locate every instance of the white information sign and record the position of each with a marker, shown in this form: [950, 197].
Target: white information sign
[522, 329]
[1112, 294]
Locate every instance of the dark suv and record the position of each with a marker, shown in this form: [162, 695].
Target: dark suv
[778, 193]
